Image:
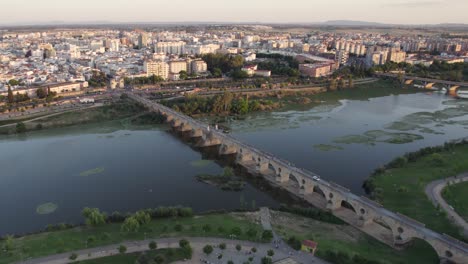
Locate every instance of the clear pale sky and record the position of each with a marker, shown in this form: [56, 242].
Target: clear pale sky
[278, 11]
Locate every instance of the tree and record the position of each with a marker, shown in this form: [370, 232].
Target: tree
[238, 247]
[152, 245]
[254, 250]
[8, 245]
[217, 72]
[122, 249]
[266, 260]
[21, 128]
[208, 249]
[350, 81]
[236, 231]
[13, 82]
[341, 84]
[130, 224]
[271, 252]
[251, 232]
[239, 74]
[41, 93]
[184, 243]
[142, 217]
[93, 216]
[267, 235]
[73, 256]
[11, 98]
[332, 85]
[159, 259]
[222, 246]
[183, 75]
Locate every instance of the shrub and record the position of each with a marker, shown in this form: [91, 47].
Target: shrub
[208, 249]
[267, 235]
[152, 245]
[267, 260]
[73, 256]
[222, 246]
[122, 249]
[254, 250]
[271, 252]
[184, 243]
[238, 247]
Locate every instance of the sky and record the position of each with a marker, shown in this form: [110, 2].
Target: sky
[264, 11]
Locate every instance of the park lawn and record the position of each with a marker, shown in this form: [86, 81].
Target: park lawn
[50, 243]
[347, 239]
[169, 256]
[402, 189]
[457, 196]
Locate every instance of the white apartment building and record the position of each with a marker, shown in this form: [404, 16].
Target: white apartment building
[174, 47]
[158, 68]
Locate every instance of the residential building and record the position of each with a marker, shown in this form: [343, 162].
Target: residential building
[158, 68]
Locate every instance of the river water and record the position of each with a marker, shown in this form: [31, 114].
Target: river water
[119, 168]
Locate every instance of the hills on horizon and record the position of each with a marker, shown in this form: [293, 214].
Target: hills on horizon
[342, 23]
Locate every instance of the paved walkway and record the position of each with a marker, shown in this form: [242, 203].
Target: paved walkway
[433, 191]
[197, 243]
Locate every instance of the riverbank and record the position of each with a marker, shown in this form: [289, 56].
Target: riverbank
[121, 109]
[400, 185]
[239, 104]
[456, 195]
[333, 238]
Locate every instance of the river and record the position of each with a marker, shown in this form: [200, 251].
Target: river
[115, 167]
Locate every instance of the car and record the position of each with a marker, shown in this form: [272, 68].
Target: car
[315, 178]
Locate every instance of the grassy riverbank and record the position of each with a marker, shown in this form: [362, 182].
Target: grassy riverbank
[399, 186]
[347, 242]
[365, 91]
[457, 196]
[120, 110]
[49, 243]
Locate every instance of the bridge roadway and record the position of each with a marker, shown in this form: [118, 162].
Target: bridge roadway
[391, 228]
[427, 80]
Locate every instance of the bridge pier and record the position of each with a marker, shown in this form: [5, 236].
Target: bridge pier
[282, 175]
[196, 133]
[176, 123]
[227, 150]
[184, 127]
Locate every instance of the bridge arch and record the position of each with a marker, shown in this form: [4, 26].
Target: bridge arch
[319, 191]
[347, 205]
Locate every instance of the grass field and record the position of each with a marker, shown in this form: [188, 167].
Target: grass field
[402, 189]
[457, 196]
[44, 244]
[169, 256]
[346, 239]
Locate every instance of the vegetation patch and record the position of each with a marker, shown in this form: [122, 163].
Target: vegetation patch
[46, 208]
[457, 196]
[158, 256]
[92, 172]
[324, 147]
[373, 136]
[399, 185]
[401, 126]
[226, 181]
[201, 163]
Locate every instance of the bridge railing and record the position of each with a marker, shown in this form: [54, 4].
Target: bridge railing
[338, 188]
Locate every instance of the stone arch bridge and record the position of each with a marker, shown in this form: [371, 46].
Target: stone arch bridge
[391, 228]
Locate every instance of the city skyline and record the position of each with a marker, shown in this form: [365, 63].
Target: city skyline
[261, 11]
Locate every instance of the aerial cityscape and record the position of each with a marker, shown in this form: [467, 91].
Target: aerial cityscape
[259, 132]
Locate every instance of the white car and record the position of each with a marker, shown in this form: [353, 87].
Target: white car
[315, 178]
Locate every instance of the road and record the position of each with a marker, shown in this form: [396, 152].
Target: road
[433, 191]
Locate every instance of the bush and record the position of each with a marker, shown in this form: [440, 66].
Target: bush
[238, 247]
[271, 252]
[208, 249]
[153, 245]
[236, 231]
[222, 246]
[178, 227]
[122, 249]
[267, 235]
[20, 128]
[184, 243]
[294, 243]
[251, 232]
[73, 256]
[254, 250]
[159, 259]
[267, 260]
